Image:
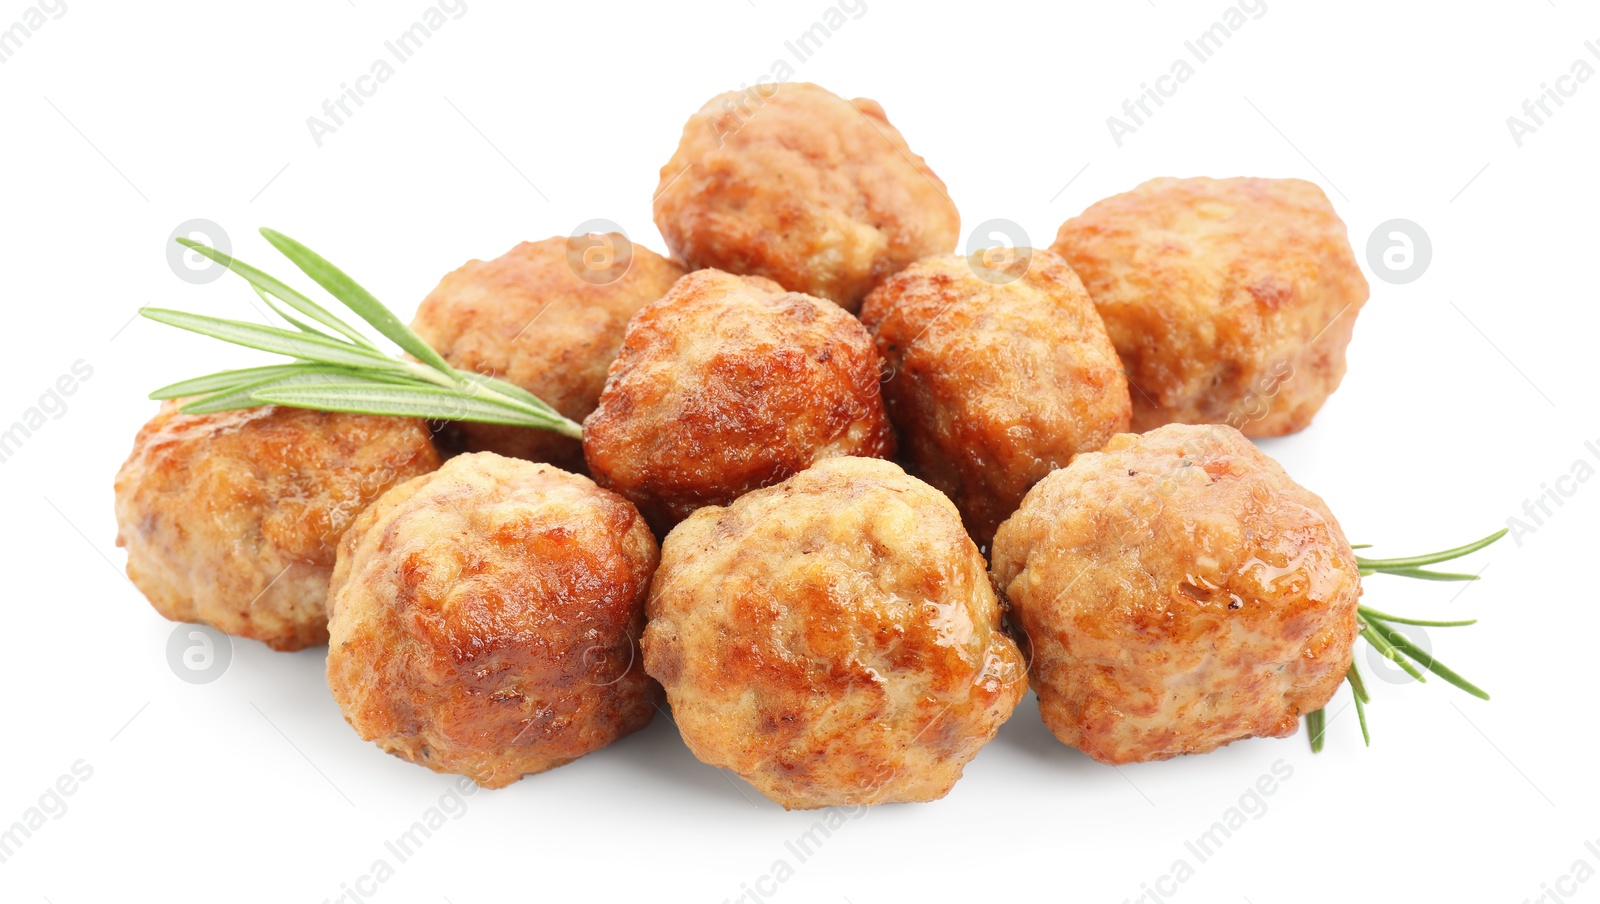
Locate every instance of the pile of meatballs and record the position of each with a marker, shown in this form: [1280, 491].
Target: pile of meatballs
[842, 495]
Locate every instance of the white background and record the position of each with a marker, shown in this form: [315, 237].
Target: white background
[1470, 389]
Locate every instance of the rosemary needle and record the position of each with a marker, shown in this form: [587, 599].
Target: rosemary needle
[1315, 723]
[1395, 619]
[1381, 643]
[1358, 690]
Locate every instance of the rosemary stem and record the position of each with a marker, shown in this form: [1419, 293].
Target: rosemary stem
[432, 375]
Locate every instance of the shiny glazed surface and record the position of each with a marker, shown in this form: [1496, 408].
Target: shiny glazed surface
[232, 519]
[1000, 372]
[834, 639]
[485, 619]
[795, 183]
[1230, 301]
[727, 384]
[1179, 592]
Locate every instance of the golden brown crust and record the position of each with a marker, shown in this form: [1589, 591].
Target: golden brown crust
[834, 639]
[232, 519]
[797, 184]
[484, 619]
[1179, 592]
[547, 318]
[1230, 301]
[727, 384]
[1000, 372]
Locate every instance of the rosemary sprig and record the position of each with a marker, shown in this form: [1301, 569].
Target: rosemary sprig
[336, 367]
[1377, 628]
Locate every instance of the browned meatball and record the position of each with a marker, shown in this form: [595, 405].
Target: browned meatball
[1001, 371]
[232, 519]
[1230, 301]
[484, 619]
[727, 384]
[834, 639]
[1180, 592]
[547, 316]
[795, 183]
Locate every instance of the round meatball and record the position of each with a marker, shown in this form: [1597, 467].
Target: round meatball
[727, 384]
[484, 619]
[1001, 371]
[232, 519]
[834, 640]
[795, 183]
[547, 316]
[1230, 301]
[1179, 592]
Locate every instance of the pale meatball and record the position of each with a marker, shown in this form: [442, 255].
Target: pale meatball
[834, 640]
[1180, 592]
[1230, 301]
[232, 519]
[729, 383]
[1000, 372]
[547, 316]
[795, 183]
[485, 619]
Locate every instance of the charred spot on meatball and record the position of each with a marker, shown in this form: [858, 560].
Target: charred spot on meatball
[485, 619]
[797, 184]
[1179, 592]
[1230, 301]
[1000, 372]
[834, 640]
[232, 519]
[546, 316]
[729, 383]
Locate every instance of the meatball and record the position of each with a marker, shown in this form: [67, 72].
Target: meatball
[232, 519]
[484, 619]
[1230, 301]
[1001, 372]
[547, 316]
[727, 384]
[834, 639]
[1180, 592]
[795, 183]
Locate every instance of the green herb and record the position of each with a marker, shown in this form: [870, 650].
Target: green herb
[1316, 724]
[336, 367]
[1411, 566]
[1377, 628]
[1359, 689]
